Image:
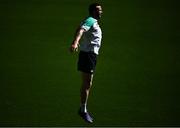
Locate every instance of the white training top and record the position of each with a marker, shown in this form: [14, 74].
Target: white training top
[91, 39]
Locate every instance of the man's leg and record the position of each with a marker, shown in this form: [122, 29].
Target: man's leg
[85, 89]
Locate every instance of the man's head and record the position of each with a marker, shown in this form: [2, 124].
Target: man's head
[95, 10]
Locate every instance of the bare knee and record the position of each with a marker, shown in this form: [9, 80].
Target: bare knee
[87, 80]
[87, 85]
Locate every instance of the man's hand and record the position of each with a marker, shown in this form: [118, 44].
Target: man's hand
[74, 47]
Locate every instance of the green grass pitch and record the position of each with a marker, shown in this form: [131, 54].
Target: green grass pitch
[138, 71]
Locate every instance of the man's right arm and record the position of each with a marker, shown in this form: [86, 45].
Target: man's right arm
[77, 37]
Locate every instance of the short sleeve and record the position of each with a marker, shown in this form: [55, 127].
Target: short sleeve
[88, 23]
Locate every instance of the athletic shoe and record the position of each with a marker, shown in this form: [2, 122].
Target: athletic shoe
[85, 116]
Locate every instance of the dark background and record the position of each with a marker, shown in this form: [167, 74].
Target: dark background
[138, 72]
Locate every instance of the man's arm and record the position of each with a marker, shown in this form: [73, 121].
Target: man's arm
[75, 43]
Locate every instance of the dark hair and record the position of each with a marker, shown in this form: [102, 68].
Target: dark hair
[92, 7]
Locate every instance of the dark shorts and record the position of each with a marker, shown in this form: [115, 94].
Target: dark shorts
[87, 62]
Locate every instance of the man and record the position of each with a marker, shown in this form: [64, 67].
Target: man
[90, 35]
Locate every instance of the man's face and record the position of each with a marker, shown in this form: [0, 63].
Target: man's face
[98, 12]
